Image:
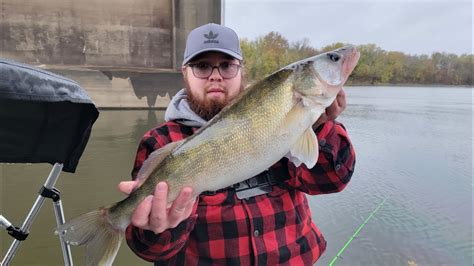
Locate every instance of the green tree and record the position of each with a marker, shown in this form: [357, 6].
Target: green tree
[272, 51]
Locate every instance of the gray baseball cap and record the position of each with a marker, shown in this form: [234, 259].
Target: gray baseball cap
[212, 37]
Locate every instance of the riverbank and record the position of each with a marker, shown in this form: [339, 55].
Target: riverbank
[408, 85]
[113, 88]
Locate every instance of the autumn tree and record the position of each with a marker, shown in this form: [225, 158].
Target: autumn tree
[376, 66]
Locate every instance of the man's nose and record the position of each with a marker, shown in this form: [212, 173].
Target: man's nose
[215, 74]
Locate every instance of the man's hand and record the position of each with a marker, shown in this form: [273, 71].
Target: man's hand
[334, 110]
[154, 214]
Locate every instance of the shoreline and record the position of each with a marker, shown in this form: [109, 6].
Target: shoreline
[410, 85]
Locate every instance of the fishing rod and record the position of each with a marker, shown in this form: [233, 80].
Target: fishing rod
[356, 233]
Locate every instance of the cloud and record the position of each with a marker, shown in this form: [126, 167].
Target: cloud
[420, 27]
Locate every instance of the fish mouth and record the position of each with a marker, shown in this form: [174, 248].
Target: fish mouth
[346, 57]
[349, 58]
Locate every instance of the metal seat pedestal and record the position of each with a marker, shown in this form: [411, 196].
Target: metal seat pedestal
[47, 191]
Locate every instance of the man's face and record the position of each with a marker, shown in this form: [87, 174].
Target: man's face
[207, 96]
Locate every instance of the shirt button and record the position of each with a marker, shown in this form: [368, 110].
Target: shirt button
[256, 233]
[337, 167]
[322, 142]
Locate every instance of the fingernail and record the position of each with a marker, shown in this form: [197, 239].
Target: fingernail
[161, 186]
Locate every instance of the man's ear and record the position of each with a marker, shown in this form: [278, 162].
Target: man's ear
[183, 70]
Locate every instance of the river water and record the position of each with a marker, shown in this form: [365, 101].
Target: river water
[414, 163]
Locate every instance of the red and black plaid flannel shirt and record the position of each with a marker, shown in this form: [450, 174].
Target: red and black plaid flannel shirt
[270, 229]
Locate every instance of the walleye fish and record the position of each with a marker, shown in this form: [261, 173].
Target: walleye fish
[271, 119]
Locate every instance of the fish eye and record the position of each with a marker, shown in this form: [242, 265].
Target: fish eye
[334, 57]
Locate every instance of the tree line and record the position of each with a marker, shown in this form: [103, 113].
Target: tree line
[376, 66]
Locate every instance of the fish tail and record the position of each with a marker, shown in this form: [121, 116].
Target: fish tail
[95, 231]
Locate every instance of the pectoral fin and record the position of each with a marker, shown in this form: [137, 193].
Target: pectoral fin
[154, 159]
[305, 150]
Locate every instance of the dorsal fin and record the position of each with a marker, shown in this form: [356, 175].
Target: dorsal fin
[154, 159]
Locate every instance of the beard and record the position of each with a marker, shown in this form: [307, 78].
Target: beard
[206, 108]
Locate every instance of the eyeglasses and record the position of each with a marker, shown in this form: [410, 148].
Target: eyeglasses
[204, 70]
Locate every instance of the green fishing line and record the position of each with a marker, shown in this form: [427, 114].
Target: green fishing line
[356, 233]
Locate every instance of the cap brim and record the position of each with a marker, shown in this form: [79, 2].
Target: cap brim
[225, 51]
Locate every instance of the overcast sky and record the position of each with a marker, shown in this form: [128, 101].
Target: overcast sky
[412, 27]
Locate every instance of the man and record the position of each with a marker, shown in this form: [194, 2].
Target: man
[265, 220]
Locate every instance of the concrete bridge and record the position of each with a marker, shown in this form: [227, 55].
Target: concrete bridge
[126, 54]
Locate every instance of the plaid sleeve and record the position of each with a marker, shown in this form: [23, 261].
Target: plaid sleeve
[151, 141]
[144, 243]
[335, 165]
[152, 247]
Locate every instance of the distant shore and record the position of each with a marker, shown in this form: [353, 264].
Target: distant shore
[407, 85]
